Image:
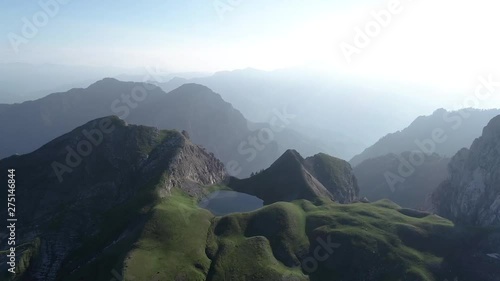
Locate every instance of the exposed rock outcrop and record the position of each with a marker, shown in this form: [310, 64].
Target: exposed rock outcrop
[471, 195]
[69, 189]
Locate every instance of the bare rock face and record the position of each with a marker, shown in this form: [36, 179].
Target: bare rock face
[471, 195]
[63, 200]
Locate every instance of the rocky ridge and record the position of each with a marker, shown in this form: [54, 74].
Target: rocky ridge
[102, 189]
[471, 195]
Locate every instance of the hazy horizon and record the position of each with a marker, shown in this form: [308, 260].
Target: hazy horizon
[413, 43]
[379, 58]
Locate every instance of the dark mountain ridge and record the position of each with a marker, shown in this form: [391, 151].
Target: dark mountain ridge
[209, 120]
[292, 177]
[444, 132]
[128, 207]
[67, 194]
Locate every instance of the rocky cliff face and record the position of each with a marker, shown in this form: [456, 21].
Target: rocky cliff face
[471, 195]
[96, 181]
[292, 177]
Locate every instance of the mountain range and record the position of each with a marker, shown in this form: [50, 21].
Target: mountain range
[322, 104]
[444, 132]
[210, 121]
[113, 200]
[49, 78]
[126, 181]
[128, 208]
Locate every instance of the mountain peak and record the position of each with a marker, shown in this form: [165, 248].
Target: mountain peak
[101, 166]
[493, 128]
[113, 119]
[193, 87]
[110, 83]
[439, 111]
[335, 174]
[197, 91]
[292, 177]
[290, 156]
[106, 81]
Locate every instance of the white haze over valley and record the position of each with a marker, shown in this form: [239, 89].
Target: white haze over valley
[350, 72]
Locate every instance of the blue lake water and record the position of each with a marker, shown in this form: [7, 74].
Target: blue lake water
[225, 202]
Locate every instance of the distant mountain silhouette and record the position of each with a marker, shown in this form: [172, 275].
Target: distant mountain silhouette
[444, 132]
[321, 105]
[51, 78]
[401, 179]
[209, 120]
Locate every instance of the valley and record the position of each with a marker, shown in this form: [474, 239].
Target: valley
[231, 140]
[177, 215]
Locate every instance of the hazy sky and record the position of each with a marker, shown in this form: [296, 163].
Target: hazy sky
[445, 43]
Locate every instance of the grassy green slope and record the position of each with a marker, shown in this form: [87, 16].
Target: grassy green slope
[284, 241]
[332, 172]
[172, 244]
[374, 240]
[258, 246]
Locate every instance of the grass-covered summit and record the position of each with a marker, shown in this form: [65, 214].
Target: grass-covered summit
[292, 177]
